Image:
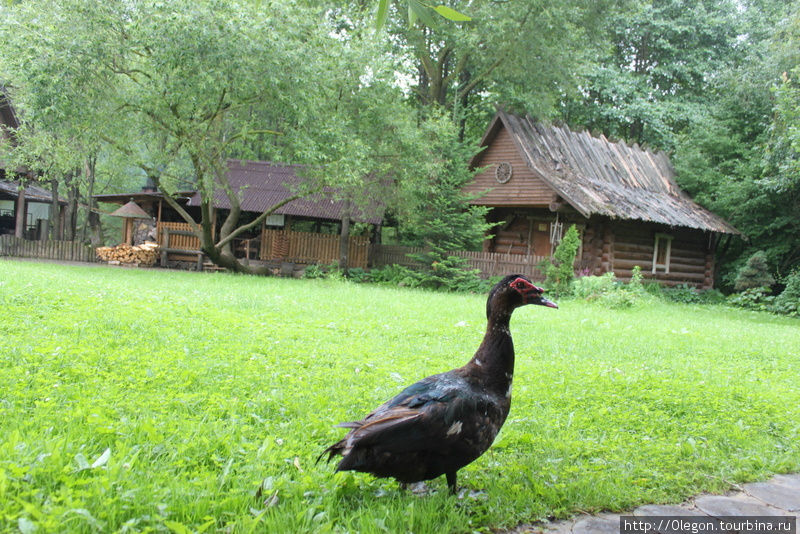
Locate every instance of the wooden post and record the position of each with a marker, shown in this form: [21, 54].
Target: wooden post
[164, 248]
[19, 229]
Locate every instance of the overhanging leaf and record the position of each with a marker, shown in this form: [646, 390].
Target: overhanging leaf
[383, 12]
[418, 11]
[451, 14]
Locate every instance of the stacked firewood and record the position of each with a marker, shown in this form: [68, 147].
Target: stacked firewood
[145, 254]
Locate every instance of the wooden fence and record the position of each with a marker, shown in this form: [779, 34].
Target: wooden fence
[488, 263]
[284, 245]
[307, 247]
[47, 250]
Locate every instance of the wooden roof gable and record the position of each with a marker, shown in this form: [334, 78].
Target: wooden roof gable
[598, 177]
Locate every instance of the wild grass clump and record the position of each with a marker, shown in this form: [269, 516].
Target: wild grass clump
[610, 292]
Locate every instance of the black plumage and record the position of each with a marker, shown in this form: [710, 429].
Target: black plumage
[443, 422]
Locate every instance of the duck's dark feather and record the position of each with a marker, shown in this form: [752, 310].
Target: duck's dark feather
[433, 427]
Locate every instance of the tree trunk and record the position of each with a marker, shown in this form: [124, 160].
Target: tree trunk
[90, 202]
[344, 236]
[72, 211]
[96, 236]
[55, 211]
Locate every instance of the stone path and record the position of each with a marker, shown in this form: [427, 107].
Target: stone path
[779, 496]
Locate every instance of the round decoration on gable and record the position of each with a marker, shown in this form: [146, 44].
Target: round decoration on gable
[503, 172]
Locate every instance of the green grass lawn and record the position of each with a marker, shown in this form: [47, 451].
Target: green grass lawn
[157, 401]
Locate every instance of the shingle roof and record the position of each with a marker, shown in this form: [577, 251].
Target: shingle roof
[32, 192]
[262, 184]
[599, 177]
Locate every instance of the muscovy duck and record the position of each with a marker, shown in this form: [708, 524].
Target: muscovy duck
[445, 421]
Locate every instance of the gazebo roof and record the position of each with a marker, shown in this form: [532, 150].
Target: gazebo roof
[131, 210]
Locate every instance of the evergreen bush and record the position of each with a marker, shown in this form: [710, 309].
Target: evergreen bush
[754, 273]
[560, 272]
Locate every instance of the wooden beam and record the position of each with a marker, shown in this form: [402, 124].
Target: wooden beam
[19, 229]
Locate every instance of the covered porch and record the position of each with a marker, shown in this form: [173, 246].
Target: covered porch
[25, 211]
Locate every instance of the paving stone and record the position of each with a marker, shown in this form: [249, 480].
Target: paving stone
[792, 481]
[597, 525]
[732, 506]
[660, 510]
[783, 497]
[549, 527]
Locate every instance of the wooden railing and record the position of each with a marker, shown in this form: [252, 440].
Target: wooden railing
[489, 263]
[49, 250]
[307, 247]
[185, 241]
[284, 245]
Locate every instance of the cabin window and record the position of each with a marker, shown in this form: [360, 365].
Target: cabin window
[661, 253]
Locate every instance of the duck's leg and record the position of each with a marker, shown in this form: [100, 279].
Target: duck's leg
[451, 481]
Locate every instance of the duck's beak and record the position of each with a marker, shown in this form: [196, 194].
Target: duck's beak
[549, 303]
[534, 296]
[541, 301]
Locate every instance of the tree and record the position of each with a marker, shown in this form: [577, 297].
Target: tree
[523, 54]
[736, 158]
[653, 79]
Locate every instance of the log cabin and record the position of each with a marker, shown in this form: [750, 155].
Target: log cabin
[538, 179]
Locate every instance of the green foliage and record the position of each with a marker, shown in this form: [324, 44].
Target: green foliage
[609, 292]
[754, 273]
[432, 210]
[239, 385]
[647, 89]
[788, 302]
[755, 298]
[689, 294]
[448, 273]
[561, 270]
[395, 275]
[593, 287]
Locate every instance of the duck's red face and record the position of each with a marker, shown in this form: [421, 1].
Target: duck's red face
[530, 293]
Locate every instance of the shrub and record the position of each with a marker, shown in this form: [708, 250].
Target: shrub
[395, 275]
[755, 298]
[358, 275]
[683, 293]
[608, 291]
[560, 272]
[635, 285]
[754, 273]
[788, 302]
[314, 271]
[593, 287]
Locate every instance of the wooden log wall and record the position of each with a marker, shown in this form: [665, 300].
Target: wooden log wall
[49, 250]
[523, 189]
[308, 247]
[691, 260]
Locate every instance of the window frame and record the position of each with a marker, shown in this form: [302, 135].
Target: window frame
[666, 240]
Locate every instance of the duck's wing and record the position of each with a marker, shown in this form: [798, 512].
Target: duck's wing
[424, 414]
